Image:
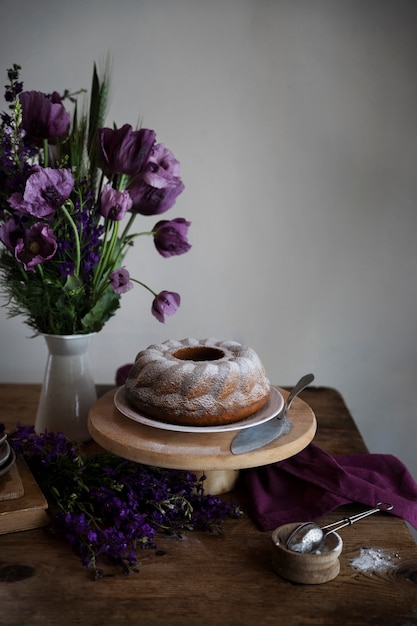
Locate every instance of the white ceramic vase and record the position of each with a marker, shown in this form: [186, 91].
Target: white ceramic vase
[68, 389]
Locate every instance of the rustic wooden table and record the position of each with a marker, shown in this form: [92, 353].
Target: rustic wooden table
[209, 580]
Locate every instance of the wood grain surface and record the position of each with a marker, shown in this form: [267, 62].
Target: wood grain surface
[11, 486]
[213, 580]
[27, 508]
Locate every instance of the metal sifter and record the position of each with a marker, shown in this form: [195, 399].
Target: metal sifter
[309, 537]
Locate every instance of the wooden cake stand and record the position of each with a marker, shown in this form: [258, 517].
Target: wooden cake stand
[205, 453]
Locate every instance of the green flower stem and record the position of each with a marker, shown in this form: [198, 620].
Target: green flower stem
[77, 237]
[23, 273]
[139, 282]
[80, 197]
[122, 182]
[40, 270]
[128, 226]
[129, 238]
[100, 264]
[125, 239]
[109, 258]
[99, 190]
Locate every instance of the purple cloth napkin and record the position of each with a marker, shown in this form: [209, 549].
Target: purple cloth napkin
[314, 483]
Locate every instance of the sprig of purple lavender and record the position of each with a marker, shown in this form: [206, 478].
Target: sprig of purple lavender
[108, 508]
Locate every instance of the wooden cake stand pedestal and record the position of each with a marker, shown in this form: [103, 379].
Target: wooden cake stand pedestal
[202, 453]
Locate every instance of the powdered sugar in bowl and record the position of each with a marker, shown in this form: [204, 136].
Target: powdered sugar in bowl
[309, 569]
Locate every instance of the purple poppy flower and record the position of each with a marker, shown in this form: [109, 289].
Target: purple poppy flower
[114, 204]
[120, 280]
[165, 303]
[46, 191]
[42, 118]
[125, 151]
[38, 244]
[170, 237]
[10, 233]
[156, 189]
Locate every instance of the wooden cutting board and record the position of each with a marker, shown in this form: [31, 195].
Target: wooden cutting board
[25, 511]
[11, 486]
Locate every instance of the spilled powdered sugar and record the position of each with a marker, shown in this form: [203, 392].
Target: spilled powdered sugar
[372, 560]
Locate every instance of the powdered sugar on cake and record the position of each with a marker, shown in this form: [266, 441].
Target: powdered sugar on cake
[202, 382]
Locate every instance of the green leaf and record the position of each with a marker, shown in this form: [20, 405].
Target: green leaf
[74, 285]
[76, 142]
[97, 114]
[104, 308]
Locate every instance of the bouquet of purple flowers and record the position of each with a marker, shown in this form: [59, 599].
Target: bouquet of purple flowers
[67, 184]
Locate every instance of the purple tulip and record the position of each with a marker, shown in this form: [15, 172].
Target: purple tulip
[46, 191]
[114, 204]
[120, 281]
[165, 303]
[156, 189]
[125, 151]
[42, 118]
[38, 245]
[170, 237]
[32, 245]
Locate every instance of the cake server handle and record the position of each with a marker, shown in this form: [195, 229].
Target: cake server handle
[259, 436]
[302, 384]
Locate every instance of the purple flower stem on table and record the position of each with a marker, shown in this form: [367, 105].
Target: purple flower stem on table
[108, 508]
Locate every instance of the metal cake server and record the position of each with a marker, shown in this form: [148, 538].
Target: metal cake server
[250, 439]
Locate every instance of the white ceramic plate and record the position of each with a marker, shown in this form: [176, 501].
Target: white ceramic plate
[4, 468]
[271, 408]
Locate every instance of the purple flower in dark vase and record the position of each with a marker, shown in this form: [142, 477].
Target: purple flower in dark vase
[124, 150]
[46, 191]
[114, 204]
[42, 118]
[156, 189]
[120, 281]
[33, 245]
[165, 303]
[170, 237]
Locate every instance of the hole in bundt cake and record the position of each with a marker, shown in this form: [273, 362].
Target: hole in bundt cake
[198, 353]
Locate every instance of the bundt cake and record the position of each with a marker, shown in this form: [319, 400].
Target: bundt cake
[197, 382]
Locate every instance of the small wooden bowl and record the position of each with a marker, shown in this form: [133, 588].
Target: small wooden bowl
[309, 569]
